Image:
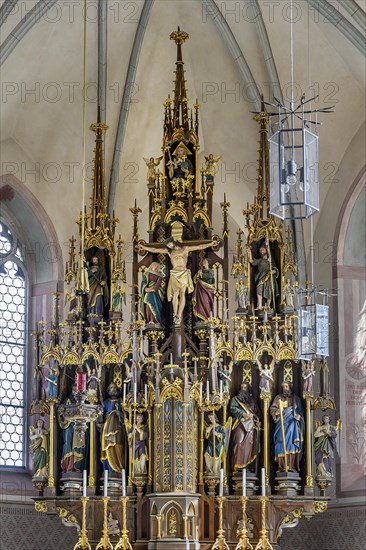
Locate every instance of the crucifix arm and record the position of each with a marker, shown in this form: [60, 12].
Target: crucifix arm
[192, 248]
[154, 249]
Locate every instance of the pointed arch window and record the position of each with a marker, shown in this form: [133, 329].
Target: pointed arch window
[13, 312]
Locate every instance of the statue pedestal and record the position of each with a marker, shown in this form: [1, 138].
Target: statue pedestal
[114, 485]
[115, 316]
[40, 483]
[288, 483]
[71, 484]
[323, 483]
[252, 483]
[212, 481]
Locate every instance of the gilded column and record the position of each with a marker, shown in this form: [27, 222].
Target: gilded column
[265, 399]
[158, 525]
[51, 475]
[92, 455]
[202, 425]
[309, 487]
[224, 459]
[149, 464]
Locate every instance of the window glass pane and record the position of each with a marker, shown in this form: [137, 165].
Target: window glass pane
[12, 351]
[11, 429]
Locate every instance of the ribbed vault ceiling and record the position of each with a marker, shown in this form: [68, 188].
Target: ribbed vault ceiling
[234, 53]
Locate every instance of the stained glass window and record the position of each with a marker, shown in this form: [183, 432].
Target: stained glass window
[13, 295]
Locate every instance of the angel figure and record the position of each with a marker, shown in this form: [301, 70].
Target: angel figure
[265, 372]
[52, 380]
[94, 377]
[128, 378]
[217, 441]
[151, 164]
[210, 171]
[224, 374]
[307, 374]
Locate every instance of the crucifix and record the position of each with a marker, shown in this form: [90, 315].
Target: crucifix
[180, 280]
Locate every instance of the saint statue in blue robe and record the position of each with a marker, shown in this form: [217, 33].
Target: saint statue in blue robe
[288, 453]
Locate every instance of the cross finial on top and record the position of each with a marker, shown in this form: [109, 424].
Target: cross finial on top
[179, 36]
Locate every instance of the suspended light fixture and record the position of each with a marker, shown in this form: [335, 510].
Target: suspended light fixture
[313, 325]
[293, 156]
[294, 173]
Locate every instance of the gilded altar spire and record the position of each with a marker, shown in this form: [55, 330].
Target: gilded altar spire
[96, 227]
[180, 107]
[180, 122]
[262, 197]
[98, 200]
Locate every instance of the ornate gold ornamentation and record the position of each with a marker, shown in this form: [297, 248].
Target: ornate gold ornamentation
[324, 402]
[247, 372]
[220, 543]
[262, 348]
[172, 523]
[287, 372]
[62, 512]
[105, 543]
[117, 376]
[154, 334]
[70, 358]
[40, 485]
[194, 393]
[179, 36]
[40, 506]
[244, 543]
[201, 214]
[172, 390]
[52, 353]
[174, 212]
[263, 543]
[157, 450]
[286, 351]
[201, 333]
[289, 520]
[83, 542]
[245, 353]
[40, 407]
[323, 484]
[124, 542]
[319, 506]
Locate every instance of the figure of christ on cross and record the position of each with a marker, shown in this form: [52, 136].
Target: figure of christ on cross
[180, 280]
